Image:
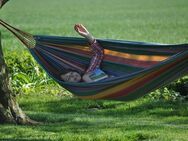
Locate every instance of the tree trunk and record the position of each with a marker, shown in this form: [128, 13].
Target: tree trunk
[2, 2]
[10, 111]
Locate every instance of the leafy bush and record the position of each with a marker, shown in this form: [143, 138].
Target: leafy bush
[25, 73]
[173, 91]
[181, 86]
[165, 94]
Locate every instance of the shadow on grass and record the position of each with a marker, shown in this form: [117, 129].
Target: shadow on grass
[110, 108]
[137, 120]
[67, 109]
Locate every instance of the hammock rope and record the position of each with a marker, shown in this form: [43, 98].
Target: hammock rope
[138, 67]
[26, 38]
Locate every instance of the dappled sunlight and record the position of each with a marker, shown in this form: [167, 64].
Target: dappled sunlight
[136, 57]
[85, 118]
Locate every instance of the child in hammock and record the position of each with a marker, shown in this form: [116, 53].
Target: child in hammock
[93, 72]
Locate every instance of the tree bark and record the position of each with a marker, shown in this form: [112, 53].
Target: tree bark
[10, 111]
[2, 2]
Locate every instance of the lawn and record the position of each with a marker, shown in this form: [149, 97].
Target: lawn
[68, 118]
[65, 117]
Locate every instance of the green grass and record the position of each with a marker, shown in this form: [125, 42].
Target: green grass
[163, 21]
[68, 118]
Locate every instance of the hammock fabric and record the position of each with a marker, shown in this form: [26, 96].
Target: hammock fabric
[137, 67]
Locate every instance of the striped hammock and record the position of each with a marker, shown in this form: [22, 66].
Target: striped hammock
[137, 67]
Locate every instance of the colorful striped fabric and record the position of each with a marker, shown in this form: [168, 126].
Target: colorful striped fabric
[137, 67]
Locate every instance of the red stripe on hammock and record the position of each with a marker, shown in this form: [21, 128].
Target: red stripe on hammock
[141, 83]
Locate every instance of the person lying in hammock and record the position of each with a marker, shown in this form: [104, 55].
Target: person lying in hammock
[93, 72]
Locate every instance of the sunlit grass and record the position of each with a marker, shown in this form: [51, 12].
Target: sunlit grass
[161, 21]
[69, 118]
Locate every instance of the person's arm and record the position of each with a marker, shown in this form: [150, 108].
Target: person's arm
[80, 29]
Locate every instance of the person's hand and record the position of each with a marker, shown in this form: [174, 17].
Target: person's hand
[80, 29]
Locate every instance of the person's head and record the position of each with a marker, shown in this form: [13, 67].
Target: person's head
[71, 76]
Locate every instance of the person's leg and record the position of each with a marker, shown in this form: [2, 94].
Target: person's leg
[97, 55]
